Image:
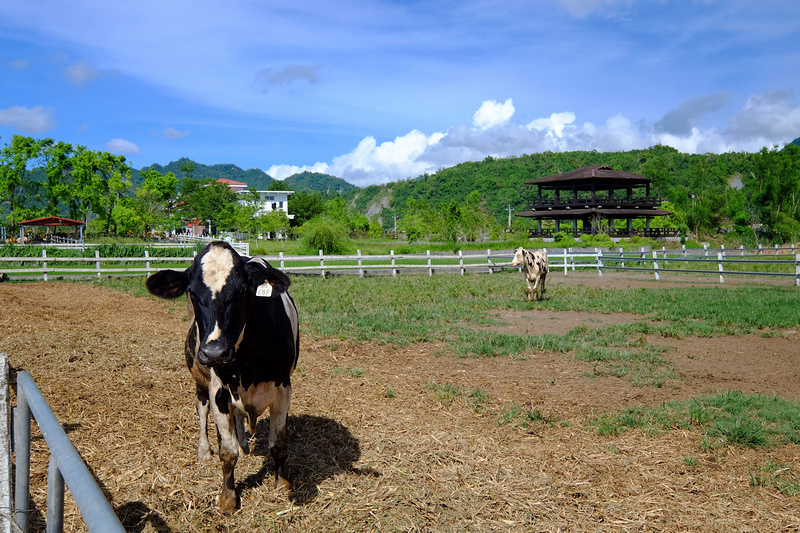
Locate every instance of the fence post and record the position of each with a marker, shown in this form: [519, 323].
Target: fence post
[489, 260]
[776, 249]
[394, 270]
[5, 446]
[22, 447]
[741, 247]
[280, 256]
[55, 496]
[321, 265]
[797, 270]
[147, 261]
[360, 265]
[655, 264]
[461, 262]
[759, 252]
[721, 270]
[430, 270]
[97, 262]
[600, 263]
[44, 264]
[565, 261]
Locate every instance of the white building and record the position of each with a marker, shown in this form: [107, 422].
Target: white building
[274, 201]
[270, 200]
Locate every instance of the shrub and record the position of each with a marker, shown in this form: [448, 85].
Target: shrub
[327, 235]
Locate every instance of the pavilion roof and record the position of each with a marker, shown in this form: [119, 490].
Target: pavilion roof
[52, 221]
[590, 173]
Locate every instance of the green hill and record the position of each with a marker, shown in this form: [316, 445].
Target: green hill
[253, 177]
[323, 183]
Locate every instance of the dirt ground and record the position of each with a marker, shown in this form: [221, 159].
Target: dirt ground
[375, 450]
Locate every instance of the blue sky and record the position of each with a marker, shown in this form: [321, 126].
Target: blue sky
[381, 90]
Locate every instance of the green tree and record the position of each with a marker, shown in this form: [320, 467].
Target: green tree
[305, 206]
[155, 199]
[58, 177]
[17, 187]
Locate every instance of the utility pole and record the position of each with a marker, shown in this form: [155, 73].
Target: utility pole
[509, 215]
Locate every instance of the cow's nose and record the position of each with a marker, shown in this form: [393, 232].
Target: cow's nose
[212, 352]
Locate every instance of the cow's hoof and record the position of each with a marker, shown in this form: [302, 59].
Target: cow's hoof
[283, 484]
[227, 502]
[203, 454]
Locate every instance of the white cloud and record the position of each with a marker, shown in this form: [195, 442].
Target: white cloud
[764, 120]
[267, 78]
[18, 64]
[172, 133]
[680, 121]
[767, 116]
[555, 124]
[121, 146]
[37, 119]
[81, 73]
[583, 8]
[492, 113]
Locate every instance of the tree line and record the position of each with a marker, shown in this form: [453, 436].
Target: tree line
[754, 197]
[750, 196]
[42, 177]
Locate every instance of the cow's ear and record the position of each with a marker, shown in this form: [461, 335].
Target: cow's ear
[167, 283]
[257, 274]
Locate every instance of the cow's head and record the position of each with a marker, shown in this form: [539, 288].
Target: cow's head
[519, 257]
[218, 285]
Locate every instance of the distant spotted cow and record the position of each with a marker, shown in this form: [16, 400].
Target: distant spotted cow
[241, 349]
[535, 263]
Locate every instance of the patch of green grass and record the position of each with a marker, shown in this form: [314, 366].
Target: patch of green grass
[524, 417]
[778, 476]
[349, 372]
[447, 393]
[730, 418]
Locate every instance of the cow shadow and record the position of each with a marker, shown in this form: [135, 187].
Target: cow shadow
[319, 448]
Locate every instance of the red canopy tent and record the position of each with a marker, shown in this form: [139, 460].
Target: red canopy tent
[52, 221]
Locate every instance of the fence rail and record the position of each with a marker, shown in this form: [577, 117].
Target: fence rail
[65, 466]
[569, 259]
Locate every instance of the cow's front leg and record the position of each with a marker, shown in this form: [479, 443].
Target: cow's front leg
[241, 435]
[223, 411]
[528, 283]
[541, 284]
[278, 448]
[535, 290]
[203, 447]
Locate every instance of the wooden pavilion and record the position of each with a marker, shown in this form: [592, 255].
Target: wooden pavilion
[50, 222]
[596, 196]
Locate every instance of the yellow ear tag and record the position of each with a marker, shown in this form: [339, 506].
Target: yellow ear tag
[264, 289]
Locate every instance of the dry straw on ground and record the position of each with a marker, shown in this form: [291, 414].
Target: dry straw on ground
[373, 447]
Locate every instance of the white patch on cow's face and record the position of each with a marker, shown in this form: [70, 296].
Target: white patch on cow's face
[217, 265]
[215, 334]
[519, 257]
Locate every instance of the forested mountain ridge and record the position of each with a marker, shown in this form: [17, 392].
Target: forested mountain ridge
[185, 167]
[707, 191]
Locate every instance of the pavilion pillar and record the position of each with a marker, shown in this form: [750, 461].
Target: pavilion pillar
[647, 226]
[540, 226]
[558, 225]
[630, 226]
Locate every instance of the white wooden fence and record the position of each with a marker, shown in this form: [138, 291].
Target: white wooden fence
[703, 261]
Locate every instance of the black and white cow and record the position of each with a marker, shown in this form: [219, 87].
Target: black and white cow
[241, 349]
[535, 263]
